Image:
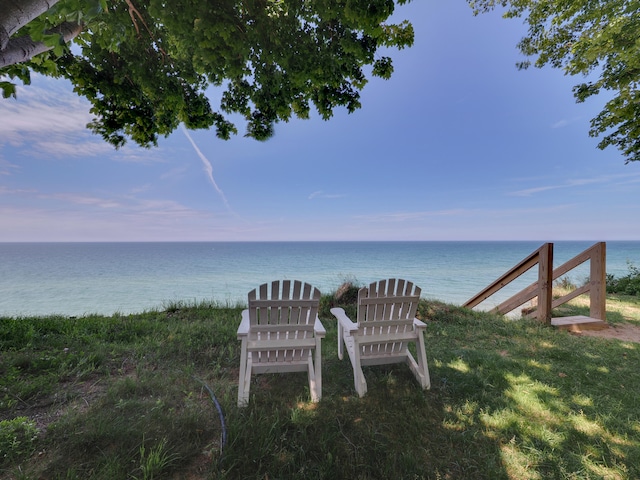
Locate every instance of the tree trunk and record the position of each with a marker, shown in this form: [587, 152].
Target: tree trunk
[15, 14]
[22, 49]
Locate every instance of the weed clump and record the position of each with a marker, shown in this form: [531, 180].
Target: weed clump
[346, 297]
[17, 439]
[627, 285]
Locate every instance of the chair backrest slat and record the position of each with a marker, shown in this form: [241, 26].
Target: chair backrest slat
[285, 303]
[385, 304]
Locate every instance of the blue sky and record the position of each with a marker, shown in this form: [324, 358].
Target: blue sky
[458, 145]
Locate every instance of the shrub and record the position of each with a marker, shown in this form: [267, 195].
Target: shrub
[627, 285]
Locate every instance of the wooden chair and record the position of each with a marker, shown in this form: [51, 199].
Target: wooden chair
[281, 332]
[385, 327]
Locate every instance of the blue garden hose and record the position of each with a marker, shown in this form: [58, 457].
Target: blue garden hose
[220, 412]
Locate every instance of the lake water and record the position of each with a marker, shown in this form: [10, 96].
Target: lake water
[106, 278]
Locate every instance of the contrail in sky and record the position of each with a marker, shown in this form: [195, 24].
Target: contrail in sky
[209, 169]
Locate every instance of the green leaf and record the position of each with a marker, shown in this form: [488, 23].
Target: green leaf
[8, 89]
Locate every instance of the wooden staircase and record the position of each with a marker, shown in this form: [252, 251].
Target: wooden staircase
[541, 290]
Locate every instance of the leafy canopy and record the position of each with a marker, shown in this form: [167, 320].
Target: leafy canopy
[597, 39]
[145, 65]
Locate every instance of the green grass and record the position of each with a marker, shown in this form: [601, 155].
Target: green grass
[133, 397]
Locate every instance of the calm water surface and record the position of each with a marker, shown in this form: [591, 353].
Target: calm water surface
[105, 278]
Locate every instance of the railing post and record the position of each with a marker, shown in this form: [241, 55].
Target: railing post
[545, 282]
[598, 281]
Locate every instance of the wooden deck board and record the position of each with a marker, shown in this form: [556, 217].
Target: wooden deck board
[578, 323]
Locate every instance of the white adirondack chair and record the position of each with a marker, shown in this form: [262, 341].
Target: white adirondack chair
[281, 332]
[385, 327]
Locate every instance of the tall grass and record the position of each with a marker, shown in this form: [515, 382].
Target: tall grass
[130, 397]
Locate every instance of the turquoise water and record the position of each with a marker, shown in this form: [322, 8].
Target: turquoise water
[105, 278]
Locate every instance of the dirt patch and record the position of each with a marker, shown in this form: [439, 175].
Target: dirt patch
[625, 332]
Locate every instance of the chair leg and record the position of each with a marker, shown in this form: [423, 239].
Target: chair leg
[313, 386]
[315, 375]
[423, 366]
[318, 369]
[420, 368]
[340, 341]
[359, 381]
[244, 380]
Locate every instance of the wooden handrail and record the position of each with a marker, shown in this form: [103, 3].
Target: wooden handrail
[543, 257]
[524, 266]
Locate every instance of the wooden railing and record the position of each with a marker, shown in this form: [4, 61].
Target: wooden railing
[542, 289]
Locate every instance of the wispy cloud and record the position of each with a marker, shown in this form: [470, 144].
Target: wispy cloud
[42, 112]
[321, 194]
[14, 191]
[50, 121]
[85, 216]
[132, 153]
[122, 204]
[527, 192]
[459, 213]
[630, 180]
[576, 182]
[66, 147]
[208, 168]
[90, 200]
[173, 173]
[409, 216]
[7, 168]
[141, 220]
[565, 122]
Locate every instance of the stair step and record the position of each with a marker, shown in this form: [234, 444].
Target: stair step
[578, 323]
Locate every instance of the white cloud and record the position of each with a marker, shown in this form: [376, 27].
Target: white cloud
[173, 173]
[6, 167]
[527, 192]
[410, 216]
[459, 213]
[14, 191]
[321, 194]
[62, 147]
[578, 182]
[565, 122]
[86, 217]
[49, 122]
[77, 199]
[38, 113]
[132, 153]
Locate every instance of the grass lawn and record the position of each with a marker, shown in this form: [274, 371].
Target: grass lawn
[137, 397]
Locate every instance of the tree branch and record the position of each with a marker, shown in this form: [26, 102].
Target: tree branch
[14, 14]
[24, 48]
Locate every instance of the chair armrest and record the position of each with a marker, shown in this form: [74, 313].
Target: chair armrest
[344, 320]
[243, 329]
[318, 328]
[419, 324]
